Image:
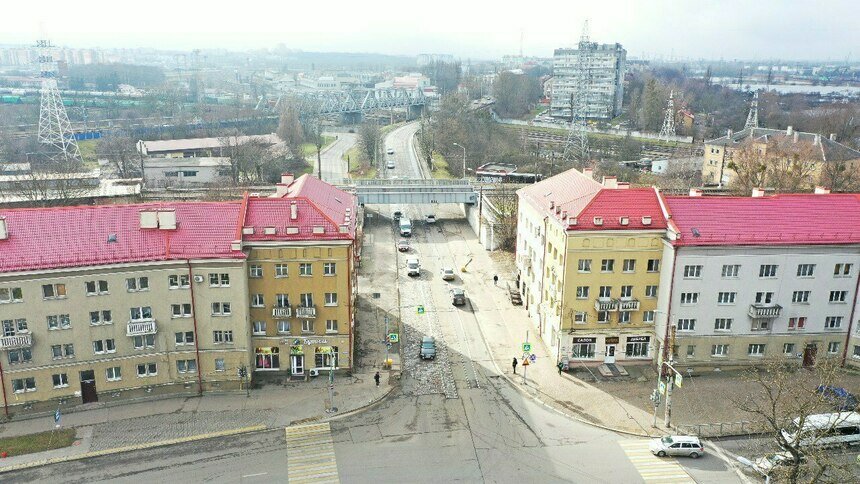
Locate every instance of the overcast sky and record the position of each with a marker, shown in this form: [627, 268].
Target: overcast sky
[478, 29]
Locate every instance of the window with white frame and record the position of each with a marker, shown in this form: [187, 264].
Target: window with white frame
[329, 269]
[306, 300]
[221, 309]
[582, 351]
[650, 291]
[629, 265]
[141, 313]
[726, 297]
[53, 291]
[219, 364]
[636, 350]
[842, 270]
[720, 351]
[838, 296]
[60, 380]
[178, 281]
[101, 347]
[146, 341]
[686, 324]
[833, 347]
[723, 324]
[607, 265]
[580, 317]
[605, 292]
[306, 269]
[255, 271]
[767, 270]
[135, 284]
[730, 271]
[283, 327]
[691, 351]
[307, 326]
[760, 325]
[624, 317]
[756, 349]
[331, 326]
[653, 265]
[833, 322]
[186, 366]
[763, 297]
[222, 337]
[96, 288]
[626, 292]
[21, 385]
[584, 265]
[184, 338]
[113, 373]
[805, 270]
[800, 297]
[62, 351]
[689, 297]
[856, 354]
[788, 349]
[797, 322]
[59, 321]
[146, 370]
[219, 280]
[11, 295]
[582, 292]
[331, 299]
[282, 301]
[281, 270]
[257, 301]
[182, 310]
[692, 272]
[259, 327]
[21, 355]
[101, 317]
[648, 316]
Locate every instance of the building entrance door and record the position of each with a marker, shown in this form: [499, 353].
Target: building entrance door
[809, 355]
[298, 364]
[88, 387]
[610, 354]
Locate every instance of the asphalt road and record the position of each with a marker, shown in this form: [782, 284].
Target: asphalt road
[334, 167]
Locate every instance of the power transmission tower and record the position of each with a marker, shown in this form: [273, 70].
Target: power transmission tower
[576, 146]
[668, 129]
[55, 131]
[752, 117]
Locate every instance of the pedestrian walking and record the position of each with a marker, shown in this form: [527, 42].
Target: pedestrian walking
[560, 367]
[514, 364]
[376, 378]
[495, 280]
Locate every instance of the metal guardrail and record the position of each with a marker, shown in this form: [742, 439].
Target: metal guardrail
[725, 429]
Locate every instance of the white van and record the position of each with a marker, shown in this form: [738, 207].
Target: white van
[824, 430]
[413, 267]
[405, 227]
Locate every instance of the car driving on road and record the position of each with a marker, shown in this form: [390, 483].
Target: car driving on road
[677, 445]
[428, 348]
[448, 274]
[390, 151]
[458, 296]
[430, 219]
[403, 245]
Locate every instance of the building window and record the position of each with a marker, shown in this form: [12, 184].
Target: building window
[306, 300]
[800, 297]
[96, 288]
[306, 269]
[101, 347]
[101, 317]
[329, 269]
[689, 297]
[307, 326]
[184, 338]
[113, 373]
[730, 271]
[648, 316]
[629, 265]
[178, 281]
[59, 321]
[147, 369]
[691, 351]
[624, 317]
[805, 270]
[584, 265]
[257, 301]
[22, 355]
[221, 309]
[62, 351]
[326, 357]
[281, 270]
[832, 322]
[719, 351]
[723, 324]
[605, 292]
[856, 354]
[222, 337]
[838, 296]
[726, 297]
[582, 292]
[607, 265]
[61, 380]
[283, 327]
[53, 291]
[331, 299]
[282, 301]
[181, 310]
[756, 349]
[760, 325]
[763, 297]
[582, 351]
[11, 295]
[767, 270]
[603, 316]
[797, 323]
[255, 271]
[788, 349]
[146, 341]
[140, 313]
[21, 385]
[626, 291]
[693, 272]
[259, 327]
[842, 270]
[637, 350]
[11, 327]
[833, 347]
[219, 364]
[331, 326]
[135, 284]
[653, 265]
[186, 366]
[579, 317]
[219, 280]
[686, 325]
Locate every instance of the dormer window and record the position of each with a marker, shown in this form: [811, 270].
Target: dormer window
[598, 220]
[646, 220]
[624, 221]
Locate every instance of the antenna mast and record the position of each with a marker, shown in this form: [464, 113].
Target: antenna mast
[752, 117]
[668, 129]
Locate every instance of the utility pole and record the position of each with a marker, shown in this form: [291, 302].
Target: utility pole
[668, 129]
[667, 421]
[525, 361]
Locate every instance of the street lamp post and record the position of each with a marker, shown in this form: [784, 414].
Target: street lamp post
[464, 158]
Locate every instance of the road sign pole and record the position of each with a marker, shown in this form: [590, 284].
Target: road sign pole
[525, 367]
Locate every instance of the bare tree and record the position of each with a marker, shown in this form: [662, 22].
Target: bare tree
[290, 128]
[369, 139]
[119, 150]
[781, 164]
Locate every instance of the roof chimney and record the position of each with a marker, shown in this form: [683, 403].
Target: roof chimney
[758, 192]
[589, 172]
[822, 190]
[832, 136]
[167, 219]
[796, 137]
[817, 140]
[610, 182]
[623, 185]
[551, 204]
[294, 211]
[287, 178]
[281, 189]
[4, 231]
[148, 219]
[789, 131]
[729, 133]
[696, 192]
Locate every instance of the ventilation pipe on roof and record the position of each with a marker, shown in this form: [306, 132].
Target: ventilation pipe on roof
[294, 211]
[789, 131]
[832, 136]
[758, 192]
[589, 172]
[610, 182]
[4, 231]
[696, 192]
[822, 190]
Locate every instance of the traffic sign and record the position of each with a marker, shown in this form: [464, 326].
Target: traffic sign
[393, 337]
[420, 309]
[662, 388]
[527, 347]
[533, 358]
[526, 362]
[57, 416]
[678, 380]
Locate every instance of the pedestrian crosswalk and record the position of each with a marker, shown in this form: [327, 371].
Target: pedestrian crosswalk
[651, 467]
[310, 454]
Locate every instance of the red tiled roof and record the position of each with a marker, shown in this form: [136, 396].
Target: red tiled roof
[775, 220]
[613, 204]
[47, 238]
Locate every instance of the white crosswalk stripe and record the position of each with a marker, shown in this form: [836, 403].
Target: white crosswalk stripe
[651, 467]
[310, 454]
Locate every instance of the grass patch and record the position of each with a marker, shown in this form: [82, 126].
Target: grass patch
[88, 153]
[309, 149]
[440, 168]
[28, 444]
[298, 167]
[359, 166]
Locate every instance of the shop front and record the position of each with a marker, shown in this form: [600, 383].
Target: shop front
[607, 349]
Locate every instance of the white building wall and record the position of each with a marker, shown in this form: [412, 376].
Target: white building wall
[530, 252]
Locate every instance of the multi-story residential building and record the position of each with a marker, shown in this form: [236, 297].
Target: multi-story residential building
[604, 80]
[118, 301]
[716, 165]
[588, 256]
[302, 249]
[745, 278]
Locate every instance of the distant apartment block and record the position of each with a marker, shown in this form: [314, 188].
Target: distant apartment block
[427, 59]
[604, 79]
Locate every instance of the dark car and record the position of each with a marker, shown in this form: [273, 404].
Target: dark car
[841, 399]
[428, 348]
[458, 296]
[397, 214]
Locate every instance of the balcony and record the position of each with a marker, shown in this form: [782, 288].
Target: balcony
[765, 311]
[282, 312]
[631, 304]
[15, 342]
[308, 312]
[140, 328]
[606, 304]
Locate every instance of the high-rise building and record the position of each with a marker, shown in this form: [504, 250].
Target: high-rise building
[603, 74]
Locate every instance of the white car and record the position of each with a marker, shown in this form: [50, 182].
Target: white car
[390, 164]
[447, 274]
[390, 151]
[767, 464]
[677, 445]
[430, 219]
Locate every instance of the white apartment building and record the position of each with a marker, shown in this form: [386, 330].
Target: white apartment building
[605, 66]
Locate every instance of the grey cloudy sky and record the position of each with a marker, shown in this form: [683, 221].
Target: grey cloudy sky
[730, 29]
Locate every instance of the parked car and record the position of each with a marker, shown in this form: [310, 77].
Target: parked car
[677, 445]
[448, 274]
[430, 219]
[458, 296]
[767, 464]
[390, 151]
[428, 348]
[841, 399]
[403, 245]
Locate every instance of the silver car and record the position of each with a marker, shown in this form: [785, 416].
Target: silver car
[677, 445]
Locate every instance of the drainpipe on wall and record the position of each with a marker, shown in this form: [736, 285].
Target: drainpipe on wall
[196, 333]
[850, 325]
[5, 402]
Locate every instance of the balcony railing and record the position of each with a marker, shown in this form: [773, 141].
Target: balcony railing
[761, 311]
[16, 341]
[140, 328]
[281, 312]
[308, 312]
[606, 304]
[631, 304]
